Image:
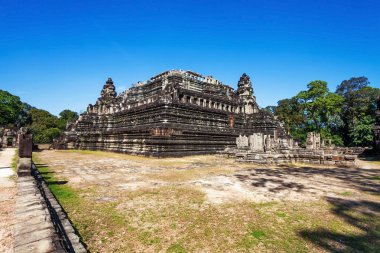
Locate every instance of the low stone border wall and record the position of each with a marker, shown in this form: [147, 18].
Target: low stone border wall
[41, 223]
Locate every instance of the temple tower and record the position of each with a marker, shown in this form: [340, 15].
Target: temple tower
[108, 91]
[245, 92]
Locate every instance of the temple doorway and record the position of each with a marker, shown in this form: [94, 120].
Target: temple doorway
[9, 142]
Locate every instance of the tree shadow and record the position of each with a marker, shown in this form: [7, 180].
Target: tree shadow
[54, 182]
[41, 165]
[285, 178]
[57, 182]
[361, 214]
[370, 158]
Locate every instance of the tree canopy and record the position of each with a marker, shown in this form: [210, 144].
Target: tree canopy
[13, 112]
[346, 115]
[44, 125]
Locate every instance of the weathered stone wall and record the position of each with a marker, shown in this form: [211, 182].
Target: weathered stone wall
[265, 149]
[8, 137]
[175, 113]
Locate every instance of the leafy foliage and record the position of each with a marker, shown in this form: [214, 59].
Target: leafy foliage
[360, 102]
[345, 116]
[12, 111]
[68, 116]
[44, 126]
[361, 133]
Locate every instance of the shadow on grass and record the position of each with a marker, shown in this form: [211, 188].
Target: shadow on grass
[57, 182]
[62, 191]
[285, 178]
[364, 215]
[41, 165]
[370, 158]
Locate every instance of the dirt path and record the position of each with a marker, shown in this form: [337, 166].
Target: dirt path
[7, 200]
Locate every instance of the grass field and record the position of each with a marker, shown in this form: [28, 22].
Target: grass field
[123, 203]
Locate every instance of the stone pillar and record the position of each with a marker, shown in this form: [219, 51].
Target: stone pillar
[290, 142]
[242, 141]
[317, 138]
[310, 142]
[256, 142]
[25, 146]
[268, 144]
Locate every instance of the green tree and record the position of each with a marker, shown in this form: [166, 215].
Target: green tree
[359, 102]
[289, 111]
[319, 105]
[68, 116]
[361, 133]
[11, 109]
[315, 109]
[353, 84]
[44, 126]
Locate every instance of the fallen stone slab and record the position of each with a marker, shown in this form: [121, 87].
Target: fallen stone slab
[32, 222]
[44, 245]
[41, 224]
[24, 229]
[34, 237]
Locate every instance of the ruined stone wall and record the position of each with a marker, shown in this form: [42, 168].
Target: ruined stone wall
[175, 113]
[267, 149]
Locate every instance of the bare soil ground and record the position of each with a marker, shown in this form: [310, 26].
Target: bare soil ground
[7, 200]
[124, 203]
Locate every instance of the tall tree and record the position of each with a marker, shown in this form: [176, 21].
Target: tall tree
[353, 84]
[360, 101]
[319, 105]
[68, 115]
[12, 111]
[45, 126]
[10, 108]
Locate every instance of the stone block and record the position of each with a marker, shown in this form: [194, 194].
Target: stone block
[24, 167]
[337, 158]
[25, 145]
[350, 157]
[44, 245]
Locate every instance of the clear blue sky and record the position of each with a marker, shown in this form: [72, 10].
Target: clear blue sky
[57, 54]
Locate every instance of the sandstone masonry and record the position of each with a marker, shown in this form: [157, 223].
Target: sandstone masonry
[175, 113]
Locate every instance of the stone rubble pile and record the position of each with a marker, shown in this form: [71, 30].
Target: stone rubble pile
[267, 149]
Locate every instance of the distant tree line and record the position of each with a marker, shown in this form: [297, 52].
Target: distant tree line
[43, 125]
[346, 116]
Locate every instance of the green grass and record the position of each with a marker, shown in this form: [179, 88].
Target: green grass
[176, 248]
[15, 161]
[177, 218]
[62, 192]
[258, 234]
[346, 194]
[280, 214]
[377, 178]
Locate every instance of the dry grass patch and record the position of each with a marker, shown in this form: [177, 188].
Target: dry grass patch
[176, 217]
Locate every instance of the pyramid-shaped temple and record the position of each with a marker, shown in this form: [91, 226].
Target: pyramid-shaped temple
[175, 113]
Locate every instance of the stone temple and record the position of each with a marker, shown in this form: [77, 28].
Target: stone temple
[175, 113]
